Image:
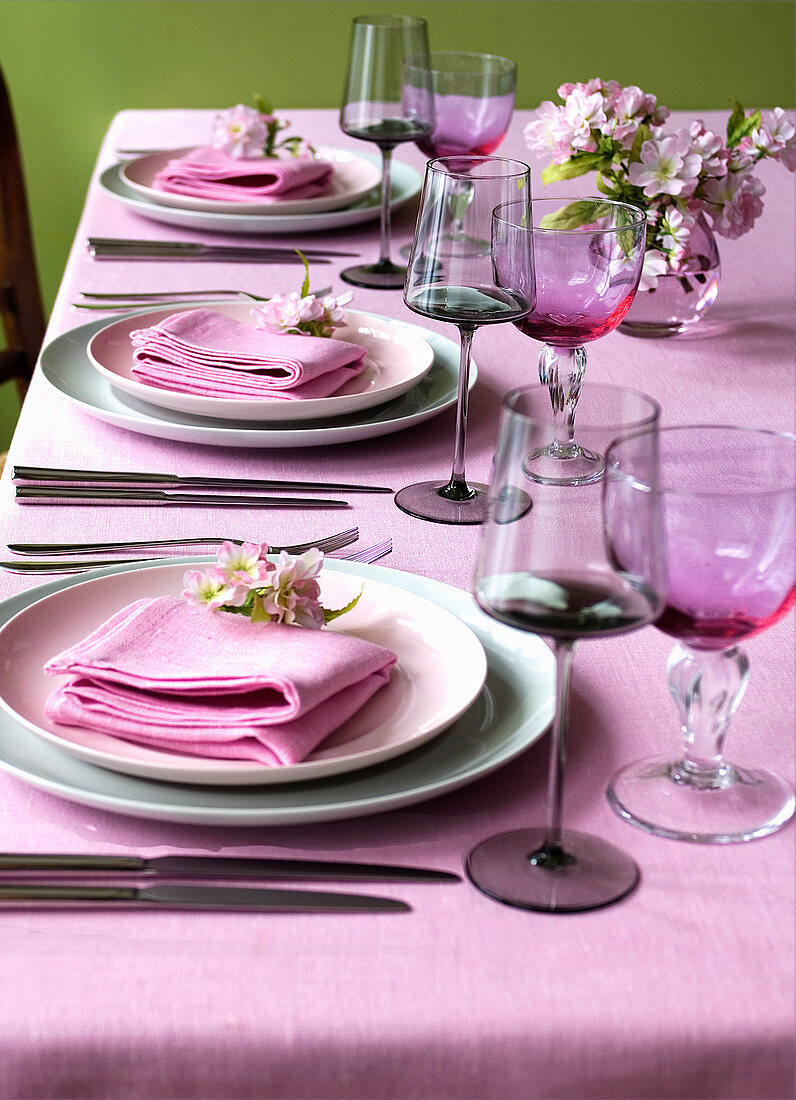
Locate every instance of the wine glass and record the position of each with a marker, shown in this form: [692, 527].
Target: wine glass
[729, 518]
[549, 572]
[374, 110]
[462, 288]
[473, 104]
[588, 256]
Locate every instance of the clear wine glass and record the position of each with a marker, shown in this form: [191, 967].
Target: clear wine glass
[462, 287]
[729, 520]
[550, 573]
[473, 104]
[588, 256]
[374, 110]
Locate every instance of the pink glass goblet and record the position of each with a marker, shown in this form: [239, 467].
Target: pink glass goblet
[588, 255]
[729, 524]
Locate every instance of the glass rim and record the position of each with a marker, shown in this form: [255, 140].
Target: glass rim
[523, 169]
[704, 494]
[638, 425]
[415, 61]
[390, 20]
[638, 221]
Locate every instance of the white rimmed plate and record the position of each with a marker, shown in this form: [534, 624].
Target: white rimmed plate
[405, 184]
[353, 176]
[513, 710]
[397, 358]
[440, 670]
[66, 367]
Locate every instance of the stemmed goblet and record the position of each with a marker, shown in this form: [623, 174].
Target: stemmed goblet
[374, 109]
[549, 572]
[462, 288]
[473, 104]
[729, 521]
[588, 256]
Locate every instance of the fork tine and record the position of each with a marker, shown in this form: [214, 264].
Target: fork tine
[370, 554]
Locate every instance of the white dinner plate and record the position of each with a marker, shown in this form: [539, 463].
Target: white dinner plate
[440, 670]
[405, 184]
[397, 358]
[353, 176]
[66, 366]
[512, 711]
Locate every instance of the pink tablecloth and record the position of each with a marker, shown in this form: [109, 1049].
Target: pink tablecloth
[685, 990]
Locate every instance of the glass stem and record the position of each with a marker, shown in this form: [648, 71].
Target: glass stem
[386, 186]
[457, 488]
[707, 686]
[562, 371]
[552, 855]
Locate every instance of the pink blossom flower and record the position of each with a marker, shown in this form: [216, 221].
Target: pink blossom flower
[245, 564]
[710, 148]
[211, 588]
[776, 138]
[544, 132]
[294, 595]
[627, 108]
[302, 316]
[582, 113]
[240, 131]
[666, 167]
[674, 234]
[734, 203]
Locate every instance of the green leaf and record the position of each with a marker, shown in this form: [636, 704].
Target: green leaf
[262, 105]
[745, 127]
[305, 286]
[578, 165]
[734, 121]
[329, 614]
[642, 135]
[259, 614]
[574, 215]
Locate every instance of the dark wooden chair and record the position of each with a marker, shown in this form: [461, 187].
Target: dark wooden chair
[21, 311]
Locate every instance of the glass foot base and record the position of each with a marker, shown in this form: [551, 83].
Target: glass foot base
[380, 276]
[564, 464]
[596, 873]
[660, 796]
[426, 500]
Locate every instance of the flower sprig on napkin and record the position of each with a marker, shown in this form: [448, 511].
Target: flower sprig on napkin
[244, 582]
[300, 313]
[245, 132]
[674, 176]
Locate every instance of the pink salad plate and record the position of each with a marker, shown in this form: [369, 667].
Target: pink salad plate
[352, 178]
[440, 671]
[397, 358]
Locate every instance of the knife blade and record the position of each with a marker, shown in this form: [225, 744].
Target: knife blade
[167, 896]
[238, 867]
[200, 248]
[35, 494]
[48, 474]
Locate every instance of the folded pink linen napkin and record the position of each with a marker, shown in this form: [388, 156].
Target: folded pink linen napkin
[203, 352]
[209, 173]
[171, 675]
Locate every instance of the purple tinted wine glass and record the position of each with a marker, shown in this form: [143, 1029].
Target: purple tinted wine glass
[588, 255]
[729, 521]
[548, 572]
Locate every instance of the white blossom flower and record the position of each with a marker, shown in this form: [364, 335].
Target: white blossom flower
[245, 564]
[655, 264]
[240, 131]
[582, 114]
[211, 588]
[294, 594]
[666, 167]
[674, 234]
[775, 138]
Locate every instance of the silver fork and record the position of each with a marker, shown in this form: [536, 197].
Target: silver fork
[117, 301]
[331, 542]
[371, 553]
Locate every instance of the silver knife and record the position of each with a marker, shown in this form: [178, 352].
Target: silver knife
[239, 867]
[56, 475]
[189, 248]
[35, 494]
[167, 896]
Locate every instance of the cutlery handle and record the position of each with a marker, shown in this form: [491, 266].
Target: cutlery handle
[37, 896]
[32, 861]
[28, 494]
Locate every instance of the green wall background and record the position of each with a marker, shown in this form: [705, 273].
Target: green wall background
[72, 64]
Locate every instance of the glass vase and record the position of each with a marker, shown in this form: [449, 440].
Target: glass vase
[680, 299]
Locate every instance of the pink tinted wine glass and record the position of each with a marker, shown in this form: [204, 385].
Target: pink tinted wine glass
[588, 256]
[729, 522]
